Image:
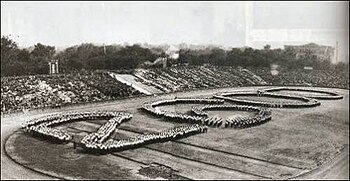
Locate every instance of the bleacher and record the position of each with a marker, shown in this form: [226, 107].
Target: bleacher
[43, 91]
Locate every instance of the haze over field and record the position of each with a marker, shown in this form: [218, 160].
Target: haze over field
[233, 24]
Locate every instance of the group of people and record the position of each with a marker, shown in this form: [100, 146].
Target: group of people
[201, 116]
[316, 78]
[302, 101]
[323, 94]
[262, 115]
[104, 132]
[184, 78]
[244, 121]
[44, 91]
[49, 133]
[49, 91]
[100, 140]
[173, 116]
[40, 126]
[143, 139]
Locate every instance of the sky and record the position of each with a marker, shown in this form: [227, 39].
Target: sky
[230, 24]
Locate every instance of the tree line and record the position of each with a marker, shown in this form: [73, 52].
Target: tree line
[17, 61]
[249, 57]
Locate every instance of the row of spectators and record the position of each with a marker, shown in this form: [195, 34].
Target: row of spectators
[42, 91]
[316, 78]
[183, 78]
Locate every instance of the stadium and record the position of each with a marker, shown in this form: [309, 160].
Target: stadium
[153, 112]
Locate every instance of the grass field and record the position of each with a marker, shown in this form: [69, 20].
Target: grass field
[293, 142]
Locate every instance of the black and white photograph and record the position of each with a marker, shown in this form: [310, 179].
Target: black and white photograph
[174, 90]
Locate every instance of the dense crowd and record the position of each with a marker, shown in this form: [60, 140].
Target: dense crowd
[152, 108]
[40, 126]
[201, 116]
[104, 132]
[302, 77]
[45, 91]
[262, 115]
[327, 95]
[182, 78]
[188, 78]
[100, 141]
[143, 139]
[303, 101]
[42, 91]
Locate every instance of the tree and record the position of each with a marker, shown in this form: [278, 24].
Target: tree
[9, 54]
[217, 56]
[267, 47]
[39, 58]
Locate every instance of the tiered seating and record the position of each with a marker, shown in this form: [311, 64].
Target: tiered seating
[200, 77]
[43, 91]
[33, 92]
[316, 78]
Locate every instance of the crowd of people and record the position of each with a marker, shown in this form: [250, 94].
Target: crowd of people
[302, 77]
[184, 78]
[303, 101]
[326, 94]
[198, 77]
[40, 126]
[47, 91]
[104, 132]
[49, 133]
[143, 139]
[201, 117]
[100, 141]
[262, 115]
[23, 93]
[176, 117]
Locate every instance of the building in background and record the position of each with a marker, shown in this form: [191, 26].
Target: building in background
[53, 67]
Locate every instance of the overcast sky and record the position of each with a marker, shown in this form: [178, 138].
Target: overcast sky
[224, 23]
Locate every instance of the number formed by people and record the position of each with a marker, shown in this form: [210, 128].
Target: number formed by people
[101, 140]
[262, 114]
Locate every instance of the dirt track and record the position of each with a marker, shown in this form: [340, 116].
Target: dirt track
[337, 168]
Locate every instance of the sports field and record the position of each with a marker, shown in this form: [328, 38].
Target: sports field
[294, 144]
